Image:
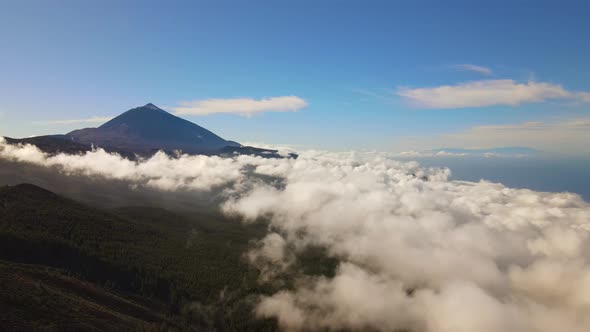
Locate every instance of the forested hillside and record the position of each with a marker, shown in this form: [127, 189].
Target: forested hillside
[66, 264]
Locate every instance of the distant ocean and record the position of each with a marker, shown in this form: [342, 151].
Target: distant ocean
[540, 174]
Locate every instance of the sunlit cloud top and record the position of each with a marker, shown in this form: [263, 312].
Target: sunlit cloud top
[241, 106]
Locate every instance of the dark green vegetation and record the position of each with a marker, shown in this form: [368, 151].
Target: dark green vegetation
[65, 265]
[35, 297]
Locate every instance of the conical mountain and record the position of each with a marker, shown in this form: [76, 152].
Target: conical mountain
[142, 131]
[149, 128]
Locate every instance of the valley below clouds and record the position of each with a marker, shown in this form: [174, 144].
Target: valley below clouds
[416, 250]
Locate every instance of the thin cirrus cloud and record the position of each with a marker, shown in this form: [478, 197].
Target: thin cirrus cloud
[94, 119]
[241, 106]
[474, 68]
[567, 136]
[584, 97]
[485, 93]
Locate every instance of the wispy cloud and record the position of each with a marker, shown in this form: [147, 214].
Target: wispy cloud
[584, 97]
[385, 94]
[499, 152]
[474, 68]
[241, 106]
[565, 136]
[487, 93]
[94, 119]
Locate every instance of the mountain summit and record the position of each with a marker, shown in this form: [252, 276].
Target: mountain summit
[142, 131]
[149, 127]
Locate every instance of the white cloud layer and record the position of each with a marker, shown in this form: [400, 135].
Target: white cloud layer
[241, 106]
[94, 119]
[417, 251]
[475, 68]
[487, 93]
[160, 171]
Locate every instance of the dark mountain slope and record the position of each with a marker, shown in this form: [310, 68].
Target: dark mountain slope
[149, 127]
[120, 261]
[34, 298]
[142, 131]
[53, 144]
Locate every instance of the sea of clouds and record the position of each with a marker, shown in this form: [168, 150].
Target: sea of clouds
[416, 251]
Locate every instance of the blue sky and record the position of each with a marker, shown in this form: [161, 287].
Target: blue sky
[382, 75]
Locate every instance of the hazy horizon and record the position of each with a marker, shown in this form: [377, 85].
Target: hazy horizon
[418, 166]
[338, 76]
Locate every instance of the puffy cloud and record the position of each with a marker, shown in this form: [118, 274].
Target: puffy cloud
[416, 251]
[271, 256]
[282, 149]
[353, 299]
[160, 171]
[241, 106]
[94, 119]
[486, 93]
[474, 68]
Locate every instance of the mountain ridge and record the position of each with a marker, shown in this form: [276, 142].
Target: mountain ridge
[141, 132]
[150, 127]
